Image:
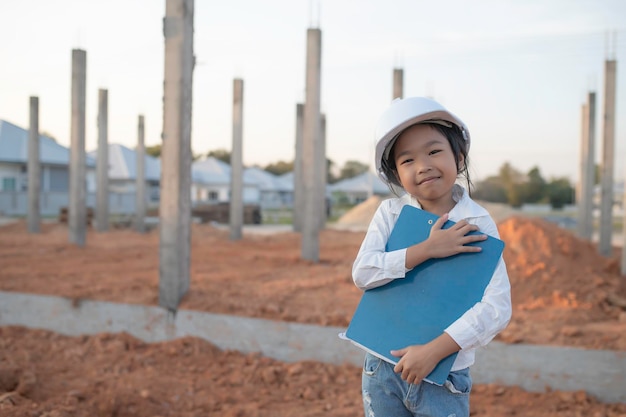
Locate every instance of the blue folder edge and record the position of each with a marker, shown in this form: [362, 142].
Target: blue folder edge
[413, 226]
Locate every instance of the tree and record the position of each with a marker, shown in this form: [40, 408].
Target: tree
[221, 154]
[279, 168]
[534, 190]
[351, 169]
[560, 192]
[490, 190]
[512, 181]
[154, 150]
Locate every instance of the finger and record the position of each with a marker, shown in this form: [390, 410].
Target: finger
[440, 222]
[474, 238]
[466, 227]
[398, 353]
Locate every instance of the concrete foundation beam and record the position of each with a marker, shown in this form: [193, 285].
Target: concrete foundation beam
[601, 373]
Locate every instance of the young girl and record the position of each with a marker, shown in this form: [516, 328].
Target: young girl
[422, 148]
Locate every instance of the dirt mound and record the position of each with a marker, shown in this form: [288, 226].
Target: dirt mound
[561, 292]
[361, 214]
[558, 277]
[50, 375]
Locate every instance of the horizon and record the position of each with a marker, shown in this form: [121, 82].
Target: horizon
[516, 74]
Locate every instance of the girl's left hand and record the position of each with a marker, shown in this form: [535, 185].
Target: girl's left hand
[417, 361]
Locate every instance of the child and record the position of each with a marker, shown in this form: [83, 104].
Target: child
[422, 148]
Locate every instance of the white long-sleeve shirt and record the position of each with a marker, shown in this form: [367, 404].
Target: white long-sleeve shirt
[374, 267]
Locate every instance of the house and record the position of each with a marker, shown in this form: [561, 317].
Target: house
[275, 191]
[123, 171]
[357, 189]
[210, 183]
[54, 180]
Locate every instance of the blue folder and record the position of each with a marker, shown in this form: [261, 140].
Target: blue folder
[419, 307]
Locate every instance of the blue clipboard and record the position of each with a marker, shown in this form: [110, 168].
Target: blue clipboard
[419, 307]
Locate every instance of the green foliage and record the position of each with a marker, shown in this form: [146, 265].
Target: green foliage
[352, 169]
[560, 193]
[512, 187]
[280, 167]
[491, 190]
[221, 154]
[154, 150]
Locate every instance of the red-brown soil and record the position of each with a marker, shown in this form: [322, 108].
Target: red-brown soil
[564, 293]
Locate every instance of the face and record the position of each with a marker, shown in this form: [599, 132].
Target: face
[426, 168]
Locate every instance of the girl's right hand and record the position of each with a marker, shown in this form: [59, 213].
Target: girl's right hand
[442, 243]
[447, 242]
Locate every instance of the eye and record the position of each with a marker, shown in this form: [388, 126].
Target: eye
[434, 151]
[405, 161]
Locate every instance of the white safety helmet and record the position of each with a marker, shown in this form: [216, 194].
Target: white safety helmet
[407, 112]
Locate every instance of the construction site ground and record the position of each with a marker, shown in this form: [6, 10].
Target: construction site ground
[564, 294]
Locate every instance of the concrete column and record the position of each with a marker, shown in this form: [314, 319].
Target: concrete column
[321, 174]
[398, 83]
[140, 178]
[175, 204]
[78, 185]
[298, 184]
[312, 190]
[102, 167]
[587, 168]
[608, 157]
[34, 168]
[236, 164]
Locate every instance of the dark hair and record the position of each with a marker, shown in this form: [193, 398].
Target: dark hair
[459, 150]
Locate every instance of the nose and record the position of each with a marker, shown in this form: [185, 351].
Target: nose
[423, 165]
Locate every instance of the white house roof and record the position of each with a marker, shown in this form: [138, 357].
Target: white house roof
[14, 147]
[366, 182]
[123, 163]
[268, 181]
[212, 171]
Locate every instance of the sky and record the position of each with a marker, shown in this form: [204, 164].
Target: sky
[516, 72]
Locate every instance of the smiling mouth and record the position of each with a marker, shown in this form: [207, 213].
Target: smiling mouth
[425, 180]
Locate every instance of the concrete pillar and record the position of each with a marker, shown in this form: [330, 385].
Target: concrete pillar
[102, 167]
[236, 164]
[587, 168]
[78, 185]
[311, 152]
[398, 83]
[175, 203]
[140, 178]
[608, 157]
[298, 184]
[34, 168]
[321, 175]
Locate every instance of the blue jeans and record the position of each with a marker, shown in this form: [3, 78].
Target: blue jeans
[386, 394]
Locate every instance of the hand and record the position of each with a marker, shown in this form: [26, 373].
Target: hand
[416, 362]
[447, 242]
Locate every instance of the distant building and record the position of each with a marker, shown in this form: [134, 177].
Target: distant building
[210, 183]
[54, 181]
[123, 172]
[357, 189]
[275, 191]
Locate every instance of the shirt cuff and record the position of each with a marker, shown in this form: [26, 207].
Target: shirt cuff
[395, 264]
[463, 334]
